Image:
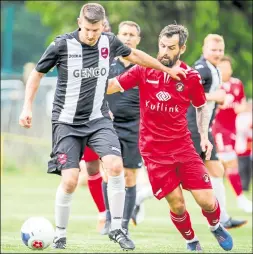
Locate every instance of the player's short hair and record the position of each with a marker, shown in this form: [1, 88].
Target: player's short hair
[93, 12]
[130, 23]
[172, 29]
[227, 58]
[213, 37]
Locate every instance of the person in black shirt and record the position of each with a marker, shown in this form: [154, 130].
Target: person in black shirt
[126, 114]
[80, 112]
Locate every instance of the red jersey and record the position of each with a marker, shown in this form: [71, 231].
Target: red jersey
[163, 106]
[225, 118]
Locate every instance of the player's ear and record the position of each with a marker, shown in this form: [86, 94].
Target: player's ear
[182, 49]
[138, 40]
[79, 22]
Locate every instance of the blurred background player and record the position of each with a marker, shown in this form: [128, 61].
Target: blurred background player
[243, 145]
[126, 114]
[165, 141]
[224, 129]
[213, 51]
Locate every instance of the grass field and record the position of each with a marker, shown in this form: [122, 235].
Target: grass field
[32, 194]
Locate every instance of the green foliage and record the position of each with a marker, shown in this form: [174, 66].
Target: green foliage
[227, 18]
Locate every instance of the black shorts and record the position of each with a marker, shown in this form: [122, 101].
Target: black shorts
[128, 133]
[69, 142]
[196, 140]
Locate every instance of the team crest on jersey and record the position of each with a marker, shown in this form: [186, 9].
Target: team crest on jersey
[206, 178]
[180, 87]
[62, 158]
[104, 52]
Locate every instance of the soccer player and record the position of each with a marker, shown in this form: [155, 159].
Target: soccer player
[80, 114]
[224, 129]
[213, 51]
[165, 141]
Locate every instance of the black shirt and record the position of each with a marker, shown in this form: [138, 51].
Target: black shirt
[211, 80]
[124, 106]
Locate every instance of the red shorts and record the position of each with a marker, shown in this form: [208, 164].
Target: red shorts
[224, 139]
[167, 172]
[89, 155]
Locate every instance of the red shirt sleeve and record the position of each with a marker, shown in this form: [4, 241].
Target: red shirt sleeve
[130, 78]
[197, 93]
[241, 93]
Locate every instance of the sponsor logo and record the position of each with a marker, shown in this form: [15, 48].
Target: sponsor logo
[162, 107]
[104, 52]
[206, 178]
[74, 55]
[180, 87]
[154, 82]
[199, 66]
[163, 96]
[62, 158]
[89, 72]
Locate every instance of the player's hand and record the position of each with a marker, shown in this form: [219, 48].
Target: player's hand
[25, 119]
[176, 71]
[206, 147]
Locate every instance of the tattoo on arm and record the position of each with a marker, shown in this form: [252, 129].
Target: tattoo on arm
[203, 119]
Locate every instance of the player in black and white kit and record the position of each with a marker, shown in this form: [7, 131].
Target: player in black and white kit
[80, 113]
[213, 51]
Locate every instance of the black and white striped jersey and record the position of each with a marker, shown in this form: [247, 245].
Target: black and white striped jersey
[82, 75]
[211, 80]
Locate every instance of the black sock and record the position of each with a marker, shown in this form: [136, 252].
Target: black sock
[129, 205]
[108, 214]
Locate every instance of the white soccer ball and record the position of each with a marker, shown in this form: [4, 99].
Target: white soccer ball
[37, 233]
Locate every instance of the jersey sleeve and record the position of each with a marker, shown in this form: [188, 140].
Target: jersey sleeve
[197, 93]
[130, 78]
[241, 95]
[120, 48]
[48, 59]
[205, 74]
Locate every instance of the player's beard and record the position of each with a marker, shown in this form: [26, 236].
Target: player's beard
[168, 61]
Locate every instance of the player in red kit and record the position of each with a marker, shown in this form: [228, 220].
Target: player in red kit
[165, 141]
[224, 130]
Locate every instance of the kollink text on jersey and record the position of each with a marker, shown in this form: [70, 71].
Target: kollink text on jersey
[162, 107]
[90, 72]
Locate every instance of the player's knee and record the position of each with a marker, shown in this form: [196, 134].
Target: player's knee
[130, 177]
[215, 168]
[70, 180]
[113, 164]
[177, 205]
[93, 167]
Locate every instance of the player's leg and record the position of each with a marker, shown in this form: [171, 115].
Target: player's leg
[106, 144]
[216, 173]
[194, 177]
[245, 171]
[181, 218]
[64, 161]
[232, 173]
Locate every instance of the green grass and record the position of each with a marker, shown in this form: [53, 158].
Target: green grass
[32, 194]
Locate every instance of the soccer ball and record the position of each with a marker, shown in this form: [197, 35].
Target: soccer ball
[37, 233]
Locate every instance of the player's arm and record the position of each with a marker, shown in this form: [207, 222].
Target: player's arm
[125, 80]
[198, 100]
[206, 76]
[139, 57]
[47, 61]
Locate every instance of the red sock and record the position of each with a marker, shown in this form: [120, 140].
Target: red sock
[213, 217]
[235, 180]
[183, 224]
[95, 187]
